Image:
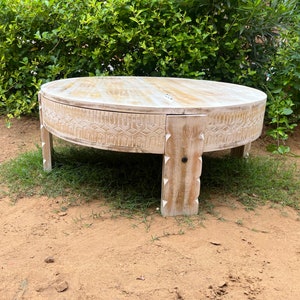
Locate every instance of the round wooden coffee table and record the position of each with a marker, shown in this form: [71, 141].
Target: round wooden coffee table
[179, 118]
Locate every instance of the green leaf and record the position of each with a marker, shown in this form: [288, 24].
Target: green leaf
[282, 149]
[287, 111]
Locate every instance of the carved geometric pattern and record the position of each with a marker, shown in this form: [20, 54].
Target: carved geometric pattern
[129, 132]
[233, 127]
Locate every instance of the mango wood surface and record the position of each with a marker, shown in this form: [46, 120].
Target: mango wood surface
[179, 118]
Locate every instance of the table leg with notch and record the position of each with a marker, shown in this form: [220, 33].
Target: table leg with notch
[182, 164]
[47, 143]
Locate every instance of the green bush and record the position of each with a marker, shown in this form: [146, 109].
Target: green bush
[240, 41]
[46, 40]
[284, 69]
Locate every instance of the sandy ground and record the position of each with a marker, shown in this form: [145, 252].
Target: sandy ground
[85, 253]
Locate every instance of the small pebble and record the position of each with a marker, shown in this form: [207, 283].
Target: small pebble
[62, 213]
[62, 286]
[49, 260]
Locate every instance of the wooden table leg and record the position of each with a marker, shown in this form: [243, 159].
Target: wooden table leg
[182, 164]
[241, 151]
[47, 143]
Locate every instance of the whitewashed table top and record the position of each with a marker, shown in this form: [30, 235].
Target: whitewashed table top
[151, 94]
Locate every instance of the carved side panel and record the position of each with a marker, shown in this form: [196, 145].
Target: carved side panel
[234, 127]
[105, 129]
[182, 164]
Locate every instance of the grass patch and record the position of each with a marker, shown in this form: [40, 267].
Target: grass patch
[253, 181]
[126, 181]
[132, 182]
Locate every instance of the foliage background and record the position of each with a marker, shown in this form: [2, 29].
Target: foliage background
[251, 42]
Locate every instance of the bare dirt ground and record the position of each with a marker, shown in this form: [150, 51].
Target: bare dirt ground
[84, 253]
